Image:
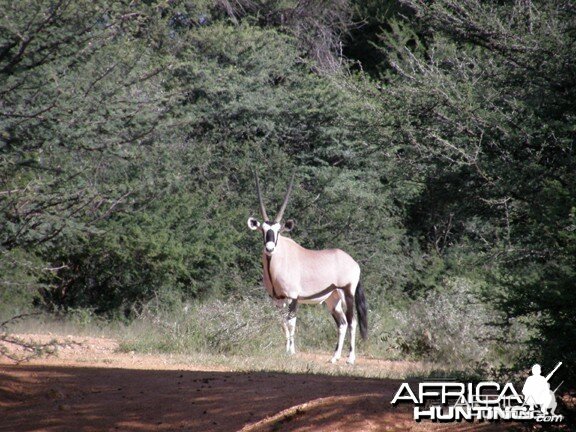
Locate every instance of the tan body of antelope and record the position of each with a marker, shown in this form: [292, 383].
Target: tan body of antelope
[294, 274]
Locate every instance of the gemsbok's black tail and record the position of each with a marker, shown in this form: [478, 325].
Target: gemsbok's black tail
[361, 310]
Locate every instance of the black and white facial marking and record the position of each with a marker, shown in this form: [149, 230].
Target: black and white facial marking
[270, 231]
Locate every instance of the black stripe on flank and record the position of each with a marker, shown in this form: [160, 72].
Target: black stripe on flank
[318, 294]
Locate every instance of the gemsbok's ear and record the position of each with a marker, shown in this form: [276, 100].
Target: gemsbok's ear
[253, 224]
[289, 225]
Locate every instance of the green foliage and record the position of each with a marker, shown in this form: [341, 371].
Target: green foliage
[146, 254]
[150, 125]
[452, 326]
[484, 104]
[78, 93]
[18, 282]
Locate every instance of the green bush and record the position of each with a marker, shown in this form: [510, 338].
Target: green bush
[452, 327]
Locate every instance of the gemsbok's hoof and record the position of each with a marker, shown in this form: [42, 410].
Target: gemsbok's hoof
[334, 360]
[351, 361]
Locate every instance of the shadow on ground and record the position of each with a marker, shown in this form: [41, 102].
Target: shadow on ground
[45, 398]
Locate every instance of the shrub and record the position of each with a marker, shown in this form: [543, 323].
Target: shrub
[239, 326]
[450, 326]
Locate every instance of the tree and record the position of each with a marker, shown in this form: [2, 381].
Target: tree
[129, 147]
[76, 97]
[484, 95]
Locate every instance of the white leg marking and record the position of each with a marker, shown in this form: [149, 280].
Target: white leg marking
[286, 335]
[341, 335]
[291, 325]
[335, 304]
[280, 304]
[352, 356]
[352, 324]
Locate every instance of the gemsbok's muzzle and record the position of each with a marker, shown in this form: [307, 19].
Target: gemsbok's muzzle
[270, 241]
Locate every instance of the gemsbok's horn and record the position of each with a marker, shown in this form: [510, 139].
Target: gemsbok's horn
[286, 198]
[262, 208]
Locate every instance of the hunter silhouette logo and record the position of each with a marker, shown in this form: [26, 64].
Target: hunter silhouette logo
[448, 401]
[537, 391]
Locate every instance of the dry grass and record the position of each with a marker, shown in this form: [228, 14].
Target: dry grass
[104, 352]
[239, 335]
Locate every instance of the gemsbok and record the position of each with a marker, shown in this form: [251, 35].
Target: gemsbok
[293, 274]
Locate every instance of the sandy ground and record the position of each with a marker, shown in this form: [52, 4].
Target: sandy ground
[91, 387]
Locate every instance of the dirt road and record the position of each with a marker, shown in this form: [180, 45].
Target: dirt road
[90, 387]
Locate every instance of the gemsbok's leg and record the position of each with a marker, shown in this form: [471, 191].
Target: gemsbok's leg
[291, 325]
[334, 304]
[351, 318]
[280, 306]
